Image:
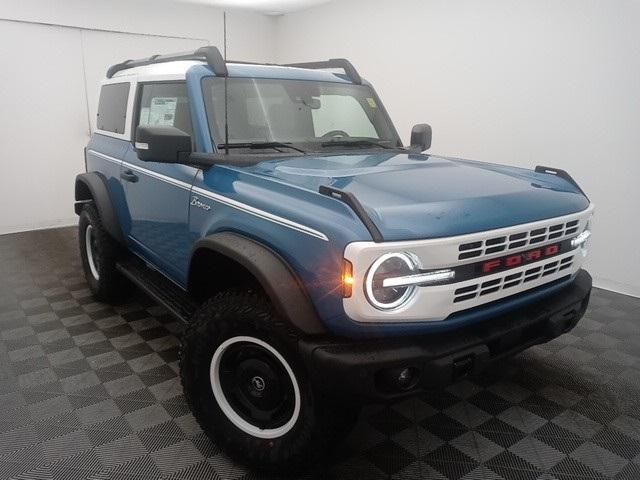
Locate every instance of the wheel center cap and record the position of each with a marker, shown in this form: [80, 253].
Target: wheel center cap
[258, 383]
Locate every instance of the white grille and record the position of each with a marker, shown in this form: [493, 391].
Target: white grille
[437, 302]
[505, 243]
[511, 280]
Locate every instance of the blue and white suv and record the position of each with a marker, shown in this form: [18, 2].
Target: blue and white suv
[318, 262]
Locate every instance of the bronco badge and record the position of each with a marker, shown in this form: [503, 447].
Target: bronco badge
[195, 202]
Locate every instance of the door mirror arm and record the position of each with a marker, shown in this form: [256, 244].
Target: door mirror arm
[203, 161]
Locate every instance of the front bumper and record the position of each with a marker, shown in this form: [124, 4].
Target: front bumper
[367, 369]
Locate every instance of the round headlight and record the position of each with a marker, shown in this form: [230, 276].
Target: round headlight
[388, 266]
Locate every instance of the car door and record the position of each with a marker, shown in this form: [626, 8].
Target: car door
[158, 193]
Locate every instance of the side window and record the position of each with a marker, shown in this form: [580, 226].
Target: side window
[112, 107]
[165, 104]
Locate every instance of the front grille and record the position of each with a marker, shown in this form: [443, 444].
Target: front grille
[511, 280]
[512, 241]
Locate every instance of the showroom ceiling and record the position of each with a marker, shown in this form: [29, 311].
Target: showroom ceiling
[271, 7]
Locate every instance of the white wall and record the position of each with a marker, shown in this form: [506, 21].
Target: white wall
[54, 53]
[158, 18]
[531, 82]
[43, 125]
[524, 83]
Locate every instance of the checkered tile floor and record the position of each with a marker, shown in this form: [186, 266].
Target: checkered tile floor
[89, 390]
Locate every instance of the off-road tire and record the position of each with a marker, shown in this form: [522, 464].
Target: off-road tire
[229, 315]
[110, 285]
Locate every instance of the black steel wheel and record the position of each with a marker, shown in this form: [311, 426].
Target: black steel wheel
[248, 388]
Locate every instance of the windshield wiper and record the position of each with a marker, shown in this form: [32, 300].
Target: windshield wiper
[354, 143]
[260, 145]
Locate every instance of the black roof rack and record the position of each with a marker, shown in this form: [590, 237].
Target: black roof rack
[341, 63]
[214, 59]
[209, 54]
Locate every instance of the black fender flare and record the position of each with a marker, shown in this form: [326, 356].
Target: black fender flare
[279, 281]
[92, 186]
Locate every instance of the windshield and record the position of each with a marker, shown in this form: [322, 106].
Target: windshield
[275, 113]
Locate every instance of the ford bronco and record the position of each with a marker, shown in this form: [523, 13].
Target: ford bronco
[319, 264]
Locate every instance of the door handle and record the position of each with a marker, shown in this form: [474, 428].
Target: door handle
[129, 176]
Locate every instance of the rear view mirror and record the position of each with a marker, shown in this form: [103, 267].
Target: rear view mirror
[312, 102]
[162, 144]
[420, 137]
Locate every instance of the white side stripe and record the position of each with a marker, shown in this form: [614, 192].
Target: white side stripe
[159, 176]
[261, 213]
[105, 157]
[256, 212]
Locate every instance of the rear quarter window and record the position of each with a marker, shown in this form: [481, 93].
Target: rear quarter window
[112, 107]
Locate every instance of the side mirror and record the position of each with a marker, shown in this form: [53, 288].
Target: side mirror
[162, 144]
[420, 137]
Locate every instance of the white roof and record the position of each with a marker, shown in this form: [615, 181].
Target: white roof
[176, 67]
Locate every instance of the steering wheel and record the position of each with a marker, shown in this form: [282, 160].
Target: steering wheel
[335, 133]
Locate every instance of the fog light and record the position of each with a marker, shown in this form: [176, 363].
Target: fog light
[398, 379]
[405, 378]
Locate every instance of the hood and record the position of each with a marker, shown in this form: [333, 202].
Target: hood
[424, 196]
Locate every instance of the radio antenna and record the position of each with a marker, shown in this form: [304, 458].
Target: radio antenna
[226, 94]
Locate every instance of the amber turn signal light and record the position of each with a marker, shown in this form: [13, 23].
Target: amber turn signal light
[347, 278]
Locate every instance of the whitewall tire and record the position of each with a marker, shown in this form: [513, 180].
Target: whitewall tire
[228, 409]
